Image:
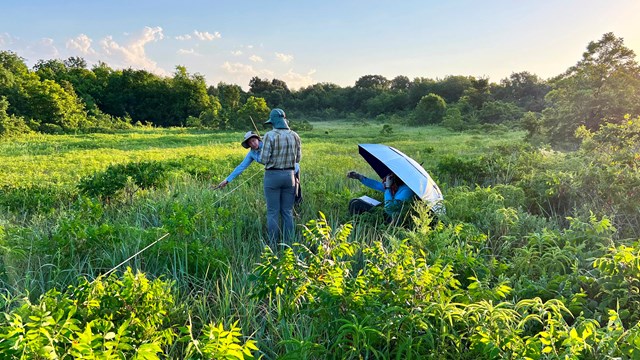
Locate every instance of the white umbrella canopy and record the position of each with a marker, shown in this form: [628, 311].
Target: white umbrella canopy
[385, 159]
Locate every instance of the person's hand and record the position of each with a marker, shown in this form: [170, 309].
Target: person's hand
[221, 185]
[354, 175]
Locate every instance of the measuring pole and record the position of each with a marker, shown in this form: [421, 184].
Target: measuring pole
[254, 125]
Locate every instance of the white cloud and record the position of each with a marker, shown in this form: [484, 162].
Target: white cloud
[43, 49]
[186, 52]
[46, 41]
[255, 58]
[284, 57]
[206, 36]
[133, 54]
[296, 80]
[243, 72]
[5, 39]
[31, 51]
[81, 43]
[238, 68]
[236, 53]
[199, 35]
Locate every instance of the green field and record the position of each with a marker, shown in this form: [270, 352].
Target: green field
[64, 159]
[505, 274]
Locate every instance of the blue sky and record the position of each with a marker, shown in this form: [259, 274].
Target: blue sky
[307, 42]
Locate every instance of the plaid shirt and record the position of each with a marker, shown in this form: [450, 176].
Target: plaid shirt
[281, 149]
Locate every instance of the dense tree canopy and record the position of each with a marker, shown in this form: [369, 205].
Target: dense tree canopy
[377, 82]
[65, 95]
[524, 89]
[601, 88]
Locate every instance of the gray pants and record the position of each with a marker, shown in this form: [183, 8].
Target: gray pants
[279, 193]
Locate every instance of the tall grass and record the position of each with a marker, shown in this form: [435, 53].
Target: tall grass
[216, 237]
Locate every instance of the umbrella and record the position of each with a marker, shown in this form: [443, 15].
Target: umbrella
[386, 159]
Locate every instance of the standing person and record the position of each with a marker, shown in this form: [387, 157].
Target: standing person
[252, 142]
[280, 154]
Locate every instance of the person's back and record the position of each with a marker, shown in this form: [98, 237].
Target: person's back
[280, 152]
[281, 149]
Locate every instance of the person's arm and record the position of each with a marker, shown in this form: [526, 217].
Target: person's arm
[240, 168]
[372, 184]
[298, 149]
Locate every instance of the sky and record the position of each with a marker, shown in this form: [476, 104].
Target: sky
[304, 42]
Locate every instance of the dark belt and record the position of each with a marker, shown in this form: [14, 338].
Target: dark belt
[281, 168]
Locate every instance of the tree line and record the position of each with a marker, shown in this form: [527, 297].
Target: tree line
[57, 96]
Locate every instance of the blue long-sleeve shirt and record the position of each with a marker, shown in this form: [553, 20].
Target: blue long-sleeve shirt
[392, 203]
[252, 155]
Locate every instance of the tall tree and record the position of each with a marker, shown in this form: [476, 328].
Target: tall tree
[386, 102]
[45, 101]
[452, 87]
[274, 92]
[53, 69]
[13, 63]
[601, 88]
[255, 108]
[478, 93]
[418, 88]
[189, 95]
[400, 83]
[377, 82]
[230, 100]
[524, 89]
[259, 86]
[76, 62]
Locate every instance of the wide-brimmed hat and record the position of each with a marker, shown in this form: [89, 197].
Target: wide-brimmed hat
[275, 115]
[247, 136]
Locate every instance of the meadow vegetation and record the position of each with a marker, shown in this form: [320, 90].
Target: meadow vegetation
[536, 258]
[113, 244]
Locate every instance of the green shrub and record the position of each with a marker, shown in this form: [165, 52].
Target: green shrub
[386, 130]
[31, 199]
[10, 124]
[128, 317]
[215, 342]
[430, 110]
[193, 122]
[457, 171]
[114, 179]
[338, 284]
[453, 119]
[494, 210]
[619, 281]
[50, 128]
[106, 318]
